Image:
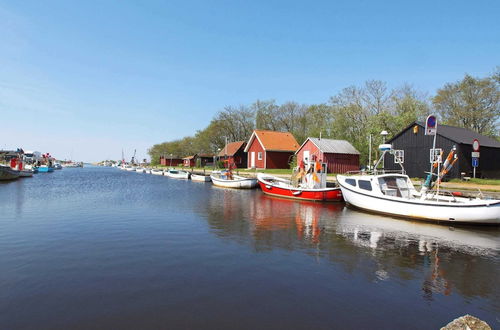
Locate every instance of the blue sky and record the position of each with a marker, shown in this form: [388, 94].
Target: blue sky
[88, 78]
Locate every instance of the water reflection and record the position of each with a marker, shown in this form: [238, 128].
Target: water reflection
[442, 259]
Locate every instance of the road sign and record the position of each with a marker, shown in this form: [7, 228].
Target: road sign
[475, 145]
[475, 162]
[475, 154]
[431, 125]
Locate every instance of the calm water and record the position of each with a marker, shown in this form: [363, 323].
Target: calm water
[104, 248]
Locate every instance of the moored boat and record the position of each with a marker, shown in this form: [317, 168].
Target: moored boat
[200, 178]
[227, 180]
[394, 194]
[140, 170]
[177, 174]
[156, 172]
[308, 183]
[279, 187]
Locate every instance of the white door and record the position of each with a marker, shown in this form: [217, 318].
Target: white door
[252, 159]
[306, 156]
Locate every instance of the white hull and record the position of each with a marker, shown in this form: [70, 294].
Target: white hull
[449, 209]
[140, 170]
[130, 169]
[156, 172]
[177, 174]
[238, 182]
[200, 178]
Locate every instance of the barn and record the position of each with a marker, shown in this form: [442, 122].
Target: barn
[235, 153]
[270, 149]
[416, 146]
[339, 155]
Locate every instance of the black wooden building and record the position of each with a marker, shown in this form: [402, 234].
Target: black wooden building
[417, 145]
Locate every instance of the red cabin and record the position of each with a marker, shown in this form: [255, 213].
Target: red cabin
[339, 155]
[170, 161]
[235, 153]
[270, 149]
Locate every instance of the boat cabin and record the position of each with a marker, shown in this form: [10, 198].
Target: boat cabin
[394, 185]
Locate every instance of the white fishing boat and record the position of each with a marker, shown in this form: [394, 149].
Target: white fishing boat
[227, 180]
[156, 172]
[147, 171]
[200, 178]
[140, 170]
[394, 194]
[130, 168]
[177, 174]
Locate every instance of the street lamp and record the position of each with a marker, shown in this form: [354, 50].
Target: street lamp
[171, 160]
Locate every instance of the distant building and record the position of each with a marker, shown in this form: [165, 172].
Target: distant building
[170, 160]
[270, 149]
[200, 160]
[339, 155]
[417, 145]
[235, 153]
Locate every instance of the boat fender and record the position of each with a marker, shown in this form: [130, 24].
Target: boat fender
[456, 193]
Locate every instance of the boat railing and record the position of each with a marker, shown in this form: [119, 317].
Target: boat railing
[375, 172]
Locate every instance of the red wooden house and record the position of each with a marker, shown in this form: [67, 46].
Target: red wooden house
[339, 155]
[235, 153]
[189, 161]
[270, 149]
[170, 161]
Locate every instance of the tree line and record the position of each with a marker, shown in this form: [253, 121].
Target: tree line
[353, 114]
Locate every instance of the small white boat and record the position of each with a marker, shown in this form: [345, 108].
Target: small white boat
[57, 166]
[147, 171]
[394, 194]
[200, 178]
[140, 170]
[225, 179]
[129, 168]
[177, 174]
[156, 172]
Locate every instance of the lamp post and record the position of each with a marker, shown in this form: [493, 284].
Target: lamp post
[171, 160]
[384, 133]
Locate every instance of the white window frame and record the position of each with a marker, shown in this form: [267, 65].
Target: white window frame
[259, 155]
[399, 156]
[436, 154]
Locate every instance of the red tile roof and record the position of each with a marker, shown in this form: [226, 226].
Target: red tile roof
[274, 141]
[231, 148]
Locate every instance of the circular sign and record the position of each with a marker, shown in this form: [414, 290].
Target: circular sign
[431, 121]
[475, 145]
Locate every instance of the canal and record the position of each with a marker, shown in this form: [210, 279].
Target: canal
[102, 248]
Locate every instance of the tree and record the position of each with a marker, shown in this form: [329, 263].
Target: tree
[472, 103]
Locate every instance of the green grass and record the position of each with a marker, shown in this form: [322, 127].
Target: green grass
[478, 181]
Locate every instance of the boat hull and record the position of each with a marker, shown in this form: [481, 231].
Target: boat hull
[179, 175]
[156, 172]
[7, 173]
[200, 178]
[45, 169]
[482, 212]
[26, 173]
[318, 195]
[237, 183]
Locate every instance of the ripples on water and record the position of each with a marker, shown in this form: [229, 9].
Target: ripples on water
[103, 248]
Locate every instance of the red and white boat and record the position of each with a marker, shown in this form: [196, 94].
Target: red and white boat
[309, 185]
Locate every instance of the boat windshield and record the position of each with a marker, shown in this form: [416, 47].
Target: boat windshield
[394, 186]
